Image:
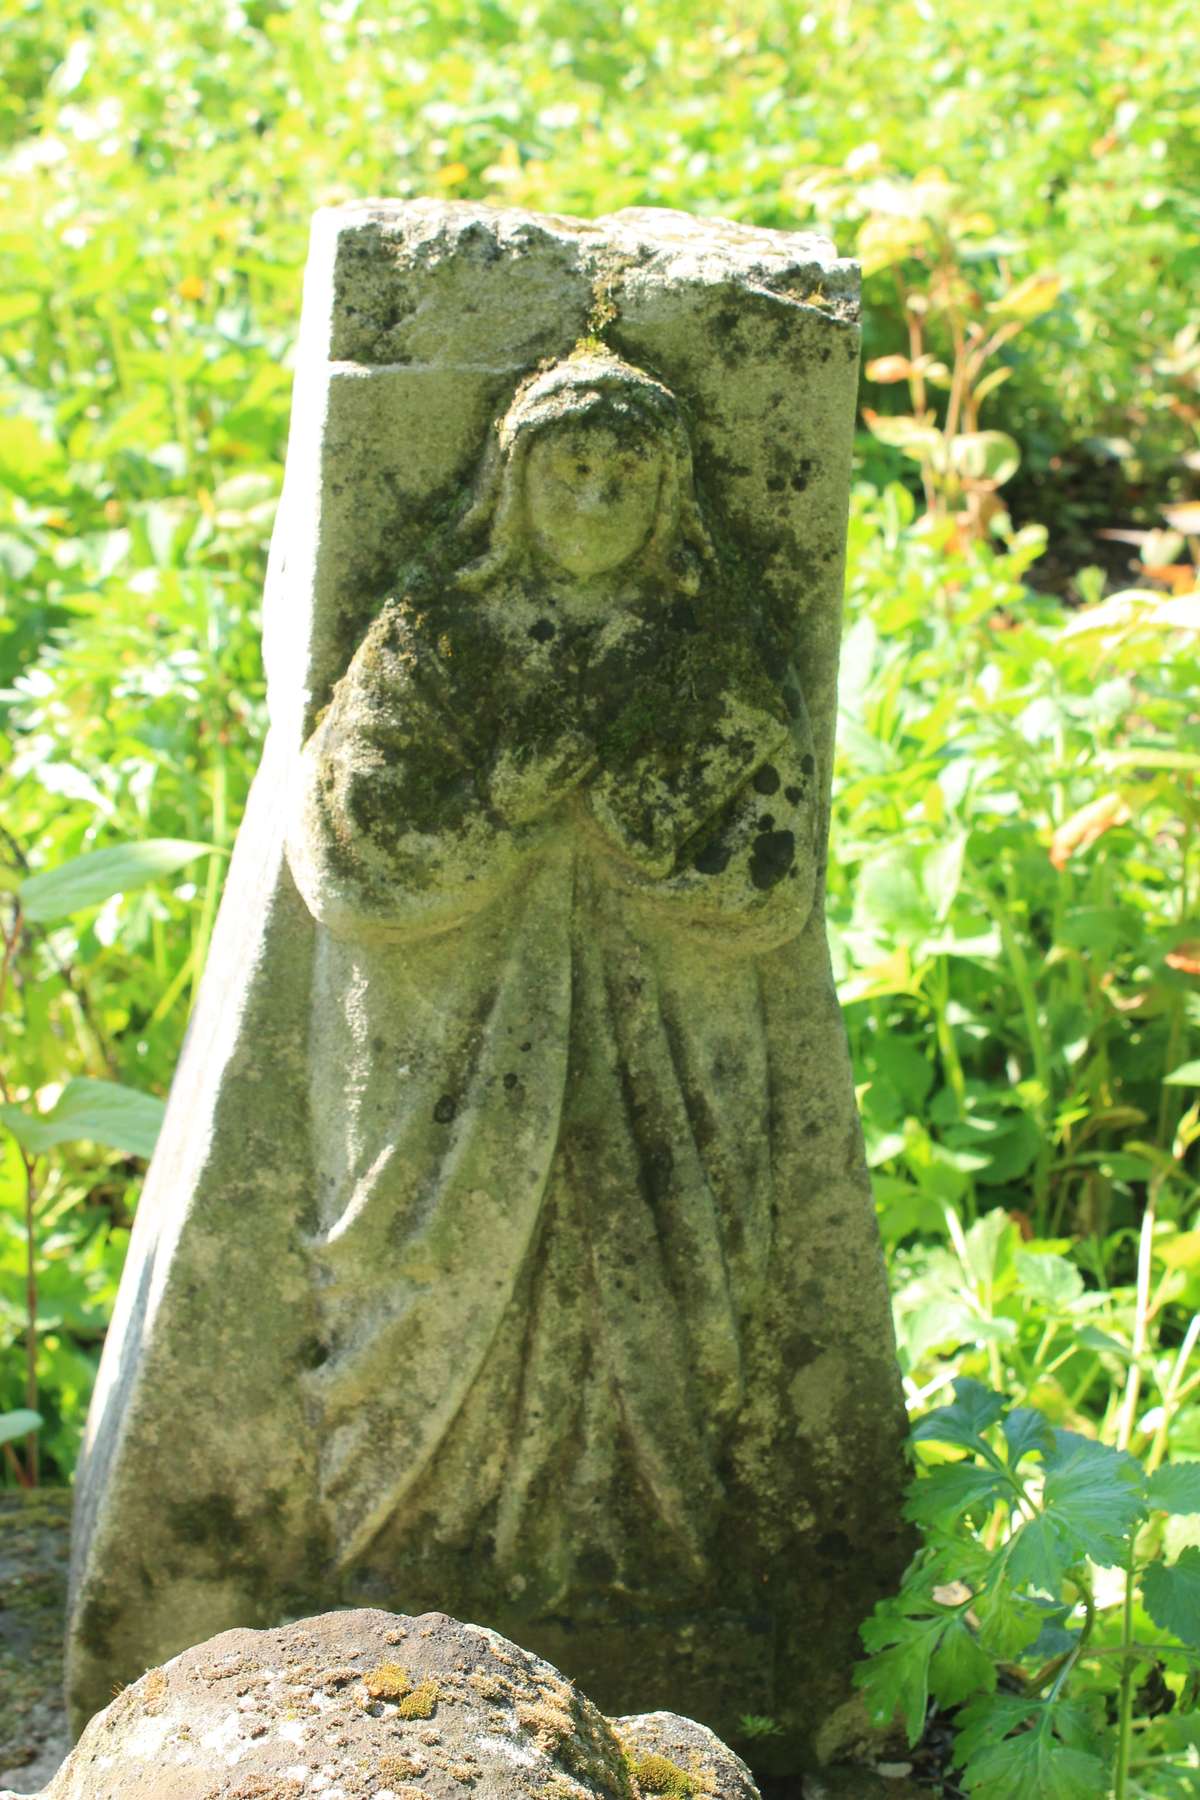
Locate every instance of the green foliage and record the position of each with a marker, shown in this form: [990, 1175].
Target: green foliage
[103, 1112]
[1002, 1607]
[1013, 900]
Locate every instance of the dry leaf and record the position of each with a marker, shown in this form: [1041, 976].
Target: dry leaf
[888, 368]
[1080, 831]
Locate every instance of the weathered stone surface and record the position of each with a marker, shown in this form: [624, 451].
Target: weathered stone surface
[372, 1706]
[509, 1247]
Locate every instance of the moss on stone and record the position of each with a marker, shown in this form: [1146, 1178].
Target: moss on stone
[656, 1774]
[421, 1703]
[388, 1682]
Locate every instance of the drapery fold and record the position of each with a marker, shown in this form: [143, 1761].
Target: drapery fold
[559, 1215]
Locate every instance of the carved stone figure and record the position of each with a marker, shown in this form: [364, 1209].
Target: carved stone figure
[526, 1228]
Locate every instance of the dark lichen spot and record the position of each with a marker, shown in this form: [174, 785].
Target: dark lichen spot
[771, 858]
[766, 780]
[767, 822]
[713, 859]
[527, 1045]
[794, 795]
[511, 1081]
[543, 630]
[807, 764]
[445, 1109]
[210, 1519]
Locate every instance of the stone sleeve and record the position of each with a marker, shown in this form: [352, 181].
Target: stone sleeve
[391, 827]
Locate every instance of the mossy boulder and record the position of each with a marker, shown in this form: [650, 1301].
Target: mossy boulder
[372, 1705]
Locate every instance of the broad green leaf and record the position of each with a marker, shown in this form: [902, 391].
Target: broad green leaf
[990, 456]
[103, 1112]
[98, 874]
[941, 874]
[1175, 1488]
[905, 433]
[1049, 1280]
[990, 1244]
[1171, 1595]
[889, 899]
[974, 1410]
[18, 1424]
[1027, 299]
[1186, 1075]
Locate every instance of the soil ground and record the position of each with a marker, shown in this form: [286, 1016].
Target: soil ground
[34, 1546]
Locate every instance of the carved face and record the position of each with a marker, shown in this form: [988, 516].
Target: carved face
[592, 495]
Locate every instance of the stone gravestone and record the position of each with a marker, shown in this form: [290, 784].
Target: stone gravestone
[509, 1249]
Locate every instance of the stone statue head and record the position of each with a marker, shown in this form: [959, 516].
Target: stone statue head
[590, 476]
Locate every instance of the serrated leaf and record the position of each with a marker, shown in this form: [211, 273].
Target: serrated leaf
[103, 1112]
[94, 877]
[1037, 1765]
[1027, 1431]
[18, 1424]
[1008, 1622]
[902, 1636]
[1044, 1761]
[1096, 1490]
[961, 1490]
[1171, 1595]
[960, 1667]
[1175, 1488]
[1091, 1501]
[975, 1409]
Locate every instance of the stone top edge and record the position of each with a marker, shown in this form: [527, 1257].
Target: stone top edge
[650, 230]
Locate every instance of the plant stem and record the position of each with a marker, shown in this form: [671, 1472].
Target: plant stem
[1125, 1700]
[1171, 1396]
[1133, 1384]
[1024, 983]
[31, 1316]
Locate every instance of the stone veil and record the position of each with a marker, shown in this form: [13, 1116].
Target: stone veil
[510, 1250]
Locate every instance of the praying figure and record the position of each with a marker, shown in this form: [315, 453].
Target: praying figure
[509, 1249]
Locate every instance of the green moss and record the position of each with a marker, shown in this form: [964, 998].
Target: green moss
[388, 1682]
[656, 1774]
[421, 1703]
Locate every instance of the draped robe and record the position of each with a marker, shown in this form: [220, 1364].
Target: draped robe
[556, 1154]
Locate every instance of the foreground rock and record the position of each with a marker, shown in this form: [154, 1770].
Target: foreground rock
[512, 1179]
[375, 1706]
